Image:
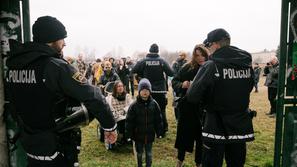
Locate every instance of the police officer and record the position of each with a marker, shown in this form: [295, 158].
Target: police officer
[224, 84]
[38, 82]
[155, 69]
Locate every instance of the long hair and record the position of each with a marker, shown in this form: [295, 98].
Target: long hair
[204, 51]
[114, 90]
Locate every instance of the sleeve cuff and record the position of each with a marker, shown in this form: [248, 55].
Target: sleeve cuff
[110, 129]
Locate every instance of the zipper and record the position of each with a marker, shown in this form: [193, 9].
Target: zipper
[146, 115]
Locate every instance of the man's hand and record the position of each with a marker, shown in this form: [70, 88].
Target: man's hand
[186, 84]
[111, 137]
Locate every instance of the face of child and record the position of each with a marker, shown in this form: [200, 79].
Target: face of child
[144, 94]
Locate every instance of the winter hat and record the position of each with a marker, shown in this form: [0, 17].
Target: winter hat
[144, 84]
[216, 35]
[48, 29]
[154, 48]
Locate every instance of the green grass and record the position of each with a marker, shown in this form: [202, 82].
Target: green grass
[260, 151]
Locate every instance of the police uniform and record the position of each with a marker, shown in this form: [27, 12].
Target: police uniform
[38, 82]
[154, 68]
[224, 84]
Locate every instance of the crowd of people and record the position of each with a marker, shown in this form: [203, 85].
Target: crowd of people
[211, 97]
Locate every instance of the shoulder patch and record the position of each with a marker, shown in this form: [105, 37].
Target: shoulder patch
[79, 77]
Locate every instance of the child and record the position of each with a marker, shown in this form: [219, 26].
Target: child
[143, 122]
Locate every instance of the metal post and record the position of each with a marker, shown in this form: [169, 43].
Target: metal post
[278, 156]
[281, 84]
[26, 20]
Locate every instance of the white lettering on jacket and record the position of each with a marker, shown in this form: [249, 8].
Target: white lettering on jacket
[230, 73]
[152, 63]
[22, 76]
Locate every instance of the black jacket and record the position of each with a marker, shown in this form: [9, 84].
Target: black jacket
[105, 78]
[189, 125]
[153, 68]
[123, 74]
[37, 80]
[144, 120]
[186, 73]
[225, 83]
[178, 64]
[257, 71]
[271, 73]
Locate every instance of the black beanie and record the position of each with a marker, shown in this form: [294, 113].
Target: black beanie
[48, 29]
[154, 48]
[144, 84]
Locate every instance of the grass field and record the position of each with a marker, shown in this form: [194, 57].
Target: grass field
[260, 152]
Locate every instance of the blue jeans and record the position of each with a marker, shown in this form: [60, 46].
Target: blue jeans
[148, 153]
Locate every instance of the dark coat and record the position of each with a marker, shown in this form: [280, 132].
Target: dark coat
[105, 78]
[189, 124]
[178, 64]
[36, 98]
[153, 67]
[225, 83]
[271, 76]
[257, 71]
[144, 121]
[123, 74]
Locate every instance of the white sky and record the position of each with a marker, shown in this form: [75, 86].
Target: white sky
[133, 25]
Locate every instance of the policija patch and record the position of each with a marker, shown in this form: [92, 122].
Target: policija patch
[79, 78]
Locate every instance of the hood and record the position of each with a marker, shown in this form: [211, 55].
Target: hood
[153, 55]
[232, 56]
[23, 54]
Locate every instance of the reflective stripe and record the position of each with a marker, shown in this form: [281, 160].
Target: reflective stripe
[159, 91]
[44, 158]
[233, 137]
[110, 129]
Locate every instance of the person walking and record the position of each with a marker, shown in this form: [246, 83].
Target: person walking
[257, 71]
[144, 122]
[155, 69]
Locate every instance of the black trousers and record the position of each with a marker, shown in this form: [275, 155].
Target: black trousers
[213, 154]
[272, 92]
[198, 153]
[121, 129]
[132, 87]
[162, 101]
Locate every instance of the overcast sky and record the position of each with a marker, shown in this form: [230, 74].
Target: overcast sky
[133, 25]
